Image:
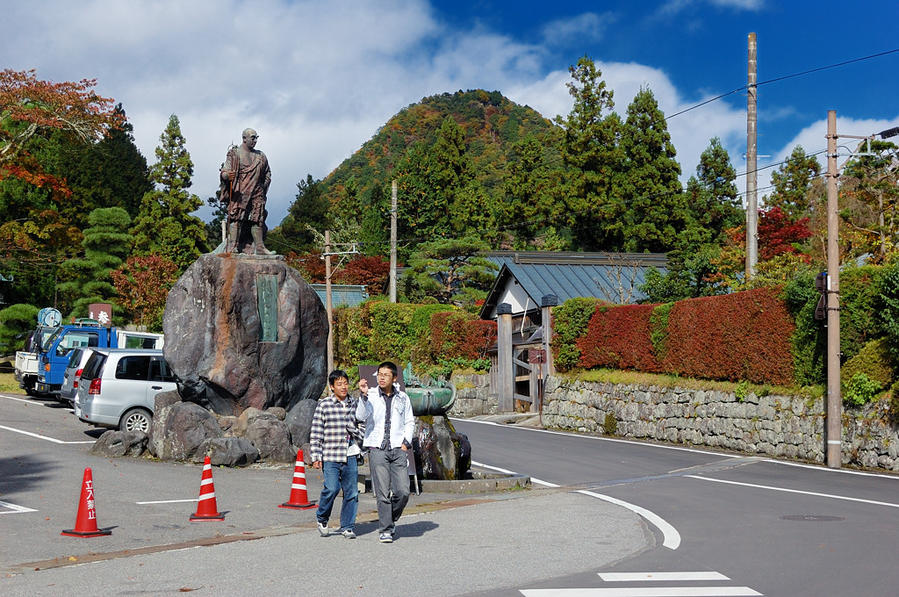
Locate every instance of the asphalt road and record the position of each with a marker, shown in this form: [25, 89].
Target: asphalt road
[600, 508]
[770, 527]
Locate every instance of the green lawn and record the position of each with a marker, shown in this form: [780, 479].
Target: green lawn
[8, 383]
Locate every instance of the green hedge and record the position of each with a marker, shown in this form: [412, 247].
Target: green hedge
[570, 320]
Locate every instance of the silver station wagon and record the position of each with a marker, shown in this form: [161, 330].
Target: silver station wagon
[118, 388]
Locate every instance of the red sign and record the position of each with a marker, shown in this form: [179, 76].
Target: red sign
[536, 356]
[102, 312]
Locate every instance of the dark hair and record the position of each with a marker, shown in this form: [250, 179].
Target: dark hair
[388, 365]
[337, 374]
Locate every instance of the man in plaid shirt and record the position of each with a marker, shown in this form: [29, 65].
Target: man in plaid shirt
[334, 441]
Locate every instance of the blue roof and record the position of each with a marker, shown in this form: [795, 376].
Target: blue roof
[614, 277]
[342, 295]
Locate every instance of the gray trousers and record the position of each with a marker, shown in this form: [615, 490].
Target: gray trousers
[390, 483]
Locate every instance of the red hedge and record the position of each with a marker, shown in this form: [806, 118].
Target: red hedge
[459, 334]
[618, 337]
[740, 336]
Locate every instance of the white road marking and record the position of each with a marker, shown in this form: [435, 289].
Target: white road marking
[44, 437]
[819, 467]
[14, 509]
[601, 439]
[168, 501]
[643, 592]
[670, 536]
[31, 402]
[660, 576]
[785, 490]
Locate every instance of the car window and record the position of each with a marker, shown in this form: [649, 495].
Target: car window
[75, 358]
[140, 342]
[94, 366]
[77, 340]
[133, 367]
[159, 370]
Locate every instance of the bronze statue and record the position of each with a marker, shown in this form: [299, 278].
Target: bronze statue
[246, 177]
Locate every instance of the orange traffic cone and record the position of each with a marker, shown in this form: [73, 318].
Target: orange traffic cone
[206, 506]
[86, 521]
[298, 500]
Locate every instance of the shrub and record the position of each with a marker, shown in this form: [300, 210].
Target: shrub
[658, 334]
[619, 337]
[570, 321]
[860, 390]
[16, 322]
[894, 403]
[860, 288]
[742, 390]
[610, 424]
[808, 339]
[887, 308]
[873, 360]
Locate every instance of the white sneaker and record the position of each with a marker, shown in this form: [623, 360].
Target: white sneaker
[385, 538]
[323, 530]
[348, 533]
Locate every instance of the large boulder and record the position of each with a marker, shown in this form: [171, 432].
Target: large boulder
[299, 421]
[271, 438]
[115, 444]
[236, 343]
[440, 452]
[179, 430]
[227, 451]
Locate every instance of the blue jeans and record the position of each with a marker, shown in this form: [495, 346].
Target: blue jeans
[339, 476]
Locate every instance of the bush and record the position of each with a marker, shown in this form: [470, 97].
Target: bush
[860, 390]
[894, 403]
[808, 339]
[570, 321]
[873, 360]
[658, 326]
[619, 337]
[887, 308]
[610, 424]
[860, 288]
[16, 322]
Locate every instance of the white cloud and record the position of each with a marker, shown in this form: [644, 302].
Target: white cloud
[672, 7]
[587, 27]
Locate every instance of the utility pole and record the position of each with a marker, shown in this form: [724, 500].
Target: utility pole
[393, 242]
[328, 307]
[832, 289]
[752, 208]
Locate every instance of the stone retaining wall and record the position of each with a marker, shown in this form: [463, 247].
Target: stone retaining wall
[473, 396]
[786, 426]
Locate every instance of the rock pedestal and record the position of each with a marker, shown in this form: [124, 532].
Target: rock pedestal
[244, 331]
[441, 453]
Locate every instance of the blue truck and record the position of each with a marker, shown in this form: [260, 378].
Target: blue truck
[41, 367]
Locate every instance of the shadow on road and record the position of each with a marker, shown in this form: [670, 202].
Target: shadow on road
[21, 473]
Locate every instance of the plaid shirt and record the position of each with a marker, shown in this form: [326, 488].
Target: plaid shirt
[333, 425]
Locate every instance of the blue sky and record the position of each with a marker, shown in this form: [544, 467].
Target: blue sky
[317, 79]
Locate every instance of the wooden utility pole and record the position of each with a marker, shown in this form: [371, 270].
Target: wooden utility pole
[752, 208]
[505, 389]
[832, 290]
[328, 307]
[393, 242]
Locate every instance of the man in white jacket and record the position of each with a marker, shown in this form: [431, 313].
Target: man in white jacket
[389, 423]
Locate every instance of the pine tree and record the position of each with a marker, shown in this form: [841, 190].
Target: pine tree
[106, 246]
[648, 186]
[530, 187]
[590, 149]
[164, 225]
[792, 183]
[308, 210]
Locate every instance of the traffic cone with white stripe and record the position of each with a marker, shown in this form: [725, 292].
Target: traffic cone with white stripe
[299, 499]
[86, 520]
[207, 509]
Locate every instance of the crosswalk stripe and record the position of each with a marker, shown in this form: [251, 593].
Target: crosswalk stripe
[644, 592]
[660, 576]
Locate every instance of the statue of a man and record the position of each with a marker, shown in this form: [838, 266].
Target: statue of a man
[246, 177]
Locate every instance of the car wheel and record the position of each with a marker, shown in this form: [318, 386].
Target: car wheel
[136, 419]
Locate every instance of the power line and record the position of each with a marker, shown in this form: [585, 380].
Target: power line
[783, 78]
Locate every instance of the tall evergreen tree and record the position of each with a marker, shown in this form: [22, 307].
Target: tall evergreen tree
[106, 246]
[648, 187]
[531, 187]
[792, 183]
[590, 149]
[164, 224]
[309, 210]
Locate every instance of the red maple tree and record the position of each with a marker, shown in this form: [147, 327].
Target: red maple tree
[143, 283]
[778, 234]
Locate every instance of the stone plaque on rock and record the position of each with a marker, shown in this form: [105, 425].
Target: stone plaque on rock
[235, 344]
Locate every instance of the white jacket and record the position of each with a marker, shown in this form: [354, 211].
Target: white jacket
[372, 411]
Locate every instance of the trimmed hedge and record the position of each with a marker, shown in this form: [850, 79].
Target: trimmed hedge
[422, 334]
[570, 321]
[741, 336]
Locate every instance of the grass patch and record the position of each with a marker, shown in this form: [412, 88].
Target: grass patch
[8, 383]
[641, 378]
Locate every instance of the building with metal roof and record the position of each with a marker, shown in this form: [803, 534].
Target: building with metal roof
[342, 295]
[525, 277]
